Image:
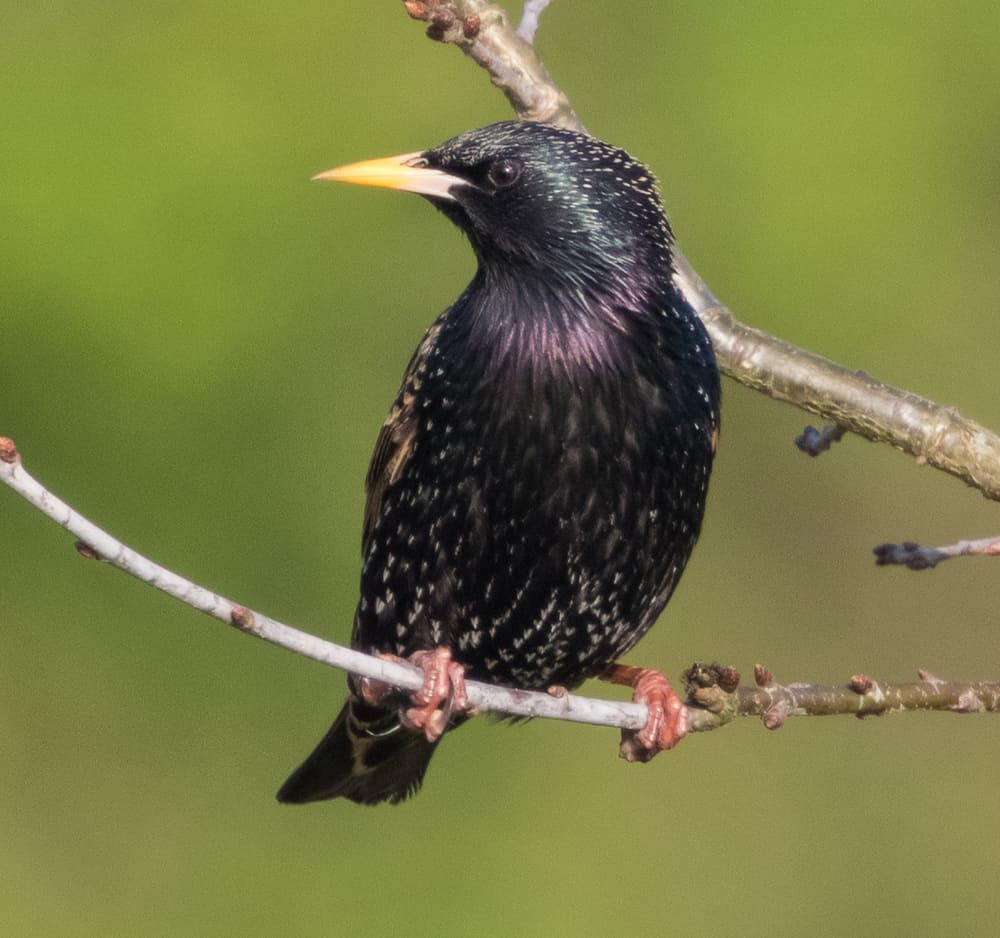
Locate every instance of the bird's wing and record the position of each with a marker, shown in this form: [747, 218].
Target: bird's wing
[398, 437]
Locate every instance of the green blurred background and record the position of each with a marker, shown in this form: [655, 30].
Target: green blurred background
[197, 346]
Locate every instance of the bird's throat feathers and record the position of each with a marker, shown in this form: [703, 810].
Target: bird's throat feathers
[531, 323]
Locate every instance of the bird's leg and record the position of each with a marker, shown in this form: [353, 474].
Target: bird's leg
[444, 684]
[667, 722]
[442, 693]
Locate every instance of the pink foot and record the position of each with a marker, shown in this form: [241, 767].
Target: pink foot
[667, 723]
[443, 692]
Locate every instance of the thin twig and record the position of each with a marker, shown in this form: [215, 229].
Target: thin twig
[530, 17]
[482, 32]
[932, 433]
[863, 697]
[95, 543]
[912, 555]
[714, 696]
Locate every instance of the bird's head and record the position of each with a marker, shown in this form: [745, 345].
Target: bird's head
[534, 198]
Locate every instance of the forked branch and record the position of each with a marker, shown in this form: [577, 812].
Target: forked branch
[932, 433]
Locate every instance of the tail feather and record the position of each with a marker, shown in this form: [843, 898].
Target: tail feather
[367, 756]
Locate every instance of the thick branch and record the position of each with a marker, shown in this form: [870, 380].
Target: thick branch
[713, 695]
[930, 432]
[934, 434]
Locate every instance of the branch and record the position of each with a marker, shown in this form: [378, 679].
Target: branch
[481, 31]
[97, 544]
[850, 399]
[932, 433]
[714, 695]
[912, 555]
[863, 696]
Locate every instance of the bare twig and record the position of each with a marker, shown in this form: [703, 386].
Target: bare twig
[932, 433]
[863, 697]
[912, 555]
[530, 17]
[95, 543]
[714, 696]
[482, 32]
[936, 435]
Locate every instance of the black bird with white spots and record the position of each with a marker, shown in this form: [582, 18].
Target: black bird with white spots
[540, 481]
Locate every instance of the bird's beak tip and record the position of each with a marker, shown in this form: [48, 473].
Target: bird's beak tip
[391, 172]
[403, 172]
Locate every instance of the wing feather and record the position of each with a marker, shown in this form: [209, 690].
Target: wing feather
[397, 440]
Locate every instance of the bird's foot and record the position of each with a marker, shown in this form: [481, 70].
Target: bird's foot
[443, 692]
[667, 723]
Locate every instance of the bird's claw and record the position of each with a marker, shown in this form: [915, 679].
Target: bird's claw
[442, 693]
[666, 725]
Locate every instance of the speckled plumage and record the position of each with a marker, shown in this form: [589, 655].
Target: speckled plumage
[539, 483]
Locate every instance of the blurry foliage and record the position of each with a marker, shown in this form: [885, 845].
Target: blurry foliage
[198, 346]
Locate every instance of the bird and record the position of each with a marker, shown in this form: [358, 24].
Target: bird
[540, 481]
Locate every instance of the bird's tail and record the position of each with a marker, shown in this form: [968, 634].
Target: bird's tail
[367, 756]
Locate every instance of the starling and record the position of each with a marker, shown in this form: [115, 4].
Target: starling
[540, 481]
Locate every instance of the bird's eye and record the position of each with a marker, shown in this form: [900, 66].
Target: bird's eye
[504, 173]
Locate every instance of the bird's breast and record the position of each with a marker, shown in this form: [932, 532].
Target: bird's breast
[545, 510]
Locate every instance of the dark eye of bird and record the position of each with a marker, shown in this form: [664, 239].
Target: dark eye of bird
[504, 173]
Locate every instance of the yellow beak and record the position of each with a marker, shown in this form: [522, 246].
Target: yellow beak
[397, 172]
